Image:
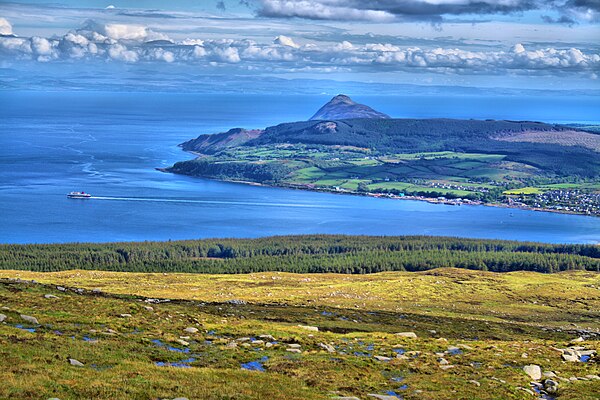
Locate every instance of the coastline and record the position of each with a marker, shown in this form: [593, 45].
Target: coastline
[388, 196]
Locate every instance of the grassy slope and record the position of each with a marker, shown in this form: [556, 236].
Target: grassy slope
[499, 316]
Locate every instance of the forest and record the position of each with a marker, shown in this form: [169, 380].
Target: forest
[304, 254]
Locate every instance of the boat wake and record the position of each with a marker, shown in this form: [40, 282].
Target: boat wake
[215, 202]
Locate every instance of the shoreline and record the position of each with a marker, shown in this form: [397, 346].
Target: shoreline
[386, 196]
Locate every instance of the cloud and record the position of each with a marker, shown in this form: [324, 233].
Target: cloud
[5, 27]
[285, 41]
[130, 44]
[426, 10]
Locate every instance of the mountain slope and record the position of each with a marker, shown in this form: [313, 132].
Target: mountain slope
[343, 107]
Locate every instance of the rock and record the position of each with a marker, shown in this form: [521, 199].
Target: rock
[309, 328]
[31, 320]
[50, 296]
[268, 344]
[53, 398]
[534, 371]
[344, 398]
[149, 308]
[62, 289]
[182, 342]
[445, 367]
[464, 346]
[474, 382]
[243, 339]
[258, 342]
[443, 361]
[570, 357]
[293, 350]
[578, 340]
[75, 363]
[180, 398]
[293, 346]
[3, 317]
[382, 396]
[191, 329]
[125, 315]
[231, 345]
[406, 335]
[550, 386]
[549, 374]
[327, 347]
[382, 358]
[266, 337]
[593, 377]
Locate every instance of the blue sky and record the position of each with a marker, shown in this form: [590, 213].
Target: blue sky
[552, 44]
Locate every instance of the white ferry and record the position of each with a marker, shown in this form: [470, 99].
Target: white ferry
[79, 195]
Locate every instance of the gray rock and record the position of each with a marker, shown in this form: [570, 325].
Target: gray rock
[53, 398]
[570, 356]
[549, 374]
[125, 315]
[534, 371]
[382, 396]
[149, 308]
[443, 361]
[258, 342]
[327, 347]
[182, 342]
[406, 335]
[75, 363]
[266, 337]
[594, 377]
[50, 296]
[344, 398]
[191, 329]
[3, 317]
[294, 350]
[293, 346]
[180, 398]
[62, 289]
[550, 386]
[474, 382]
[31, 320]
[382, 358]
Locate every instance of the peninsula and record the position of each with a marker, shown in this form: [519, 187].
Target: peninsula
[347, 147]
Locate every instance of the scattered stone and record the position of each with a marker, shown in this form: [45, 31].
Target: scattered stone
[445, 367]
[31, 320]
[309, 328]
[149, 308]
[268, 344]
[258, 342]
[293, 350]
[231, 345]
[549, 374]
[191, 329]
[382, 358]
[53, 398]
[345, 398]
[474, 382]
[443, 361]
[578, 340]
[243, 339]
[267, 337]
[182, 342]
[180, 398]
[327, 347]
[237, 302]
[464, 346]
[293, 346]
[62, 289]
[125, 315]
[406, 335]
[50, 296]
[75, 363]
[3, 317]
[524, 355]
[570, 356]
[534, 371]
[595, 377]
[550, 386]
[382, 396]
[531, 392]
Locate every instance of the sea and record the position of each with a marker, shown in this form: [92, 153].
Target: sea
[110, 143]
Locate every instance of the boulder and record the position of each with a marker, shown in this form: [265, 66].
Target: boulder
[382, 358]
[191, 329]
[406, 335]
[3, 317]
[293, 346]
[550, 386]
[293, 350]
[534, 371]
[50, 296]
[125, 315]
[31, 320]
[75, 363]
[309, 328]
[327, 347]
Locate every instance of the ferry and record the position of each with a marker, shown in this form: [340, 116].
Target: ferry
[79, 195]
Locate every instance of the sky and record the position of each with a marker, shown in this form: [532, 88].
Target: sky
[253, 44]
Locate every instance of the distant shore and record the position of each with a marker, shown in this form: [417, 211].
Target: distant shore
[451, 202]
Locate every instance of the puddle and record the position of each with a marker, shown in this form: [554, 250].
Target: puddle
[371, 347]
[57, 332]
[89, 339]
[392, 393]
[585, 358]
[255, 365]
[327, 314]
[454, 352]
[159, 343]
[399, 351]
[361, 354]
[32, 330]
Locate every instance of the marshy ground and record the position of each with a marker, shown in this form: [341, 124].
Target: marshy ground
[299, 336]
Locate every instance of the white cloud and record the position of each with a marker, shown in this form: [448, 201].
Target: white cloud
[285, 41]
[120, 52]
[320, 9]
[122, 31]
[5, 27]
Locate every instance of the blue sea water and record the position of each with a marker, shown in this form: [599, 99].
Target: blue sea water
[109, 144]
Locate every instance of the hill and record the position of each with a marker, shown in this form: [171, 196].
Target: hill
[343, 107]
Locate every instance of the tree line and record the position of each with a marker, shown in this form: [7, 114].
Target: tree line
[303, 254]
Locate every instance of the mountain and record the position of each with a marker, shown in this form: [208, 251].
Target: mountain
[343, 107]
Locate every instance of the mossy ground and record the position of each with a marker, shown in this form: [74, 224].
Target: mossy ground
[500, 322]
